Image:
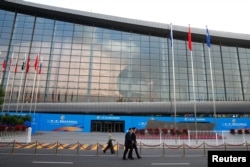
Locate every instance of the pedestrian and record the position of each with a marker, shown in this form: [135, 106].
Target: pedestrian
[127, 143]
[109, 143]
[134, 145]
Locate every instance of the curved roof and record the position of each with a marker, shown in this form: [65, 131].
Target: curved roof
[135, 26]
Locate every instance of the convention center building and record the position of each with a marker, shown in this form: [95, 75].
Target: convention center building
[93, 72]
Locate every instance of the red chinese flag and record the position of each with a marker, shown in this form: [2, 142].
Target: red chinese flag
[4, 65]
[189, 39]
[28, 65]
[36, 62]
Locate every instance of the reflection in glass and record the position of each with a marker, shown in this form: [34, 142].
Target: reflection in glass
[92, 64]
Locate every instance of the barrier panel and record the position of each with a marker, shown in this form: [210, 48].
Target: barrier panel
[20, 134]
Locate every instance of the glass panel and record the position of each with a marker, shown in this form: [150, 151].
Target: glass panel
[231, 73]
[94, 64]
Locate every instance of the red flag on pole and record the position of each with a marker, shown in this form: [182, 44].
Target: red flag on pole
[189, 39]
[4, 65]
[36, 62]
[28, 65]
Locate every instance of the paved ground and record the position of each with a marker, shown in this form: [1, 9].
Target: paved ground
[52, 155]
[94, 161]
[74, 137]
[61, 137]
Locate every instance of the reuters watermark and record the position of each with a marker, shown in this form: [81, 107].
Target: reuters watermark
[228, 158]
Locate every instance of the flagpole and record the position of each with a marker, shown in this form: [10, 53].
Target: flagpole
[212, 84]
[12, 85]
[194, 96]
[173, 61]
[192, 64]
[31, 100]
[24, 91]
[6, 89]
[2, 69]
[34, 82]
[37, 89]
[32, 93]
[211, 72]
[11, 91]
[25, 84]
[1, 76]
[19, 91]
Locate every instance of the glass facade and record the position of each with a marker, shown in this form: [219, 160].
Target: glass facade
[83, 63]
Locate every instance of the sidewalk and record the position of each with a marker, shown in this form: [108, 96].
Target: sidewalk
[62, 137]
[74, 137]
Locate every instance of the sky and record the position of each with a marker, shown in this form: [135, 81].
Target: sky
[220, 15]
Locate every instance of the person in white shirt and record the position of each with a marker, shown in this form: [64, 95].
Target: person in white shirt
[110, 143]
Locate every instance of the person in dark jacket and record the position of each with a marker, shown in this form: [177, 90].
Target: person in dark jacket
[127, 143]
[134, 145]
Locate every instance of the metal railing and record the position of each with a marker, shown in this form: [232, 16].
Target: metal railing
[194, 137]
[163, 149]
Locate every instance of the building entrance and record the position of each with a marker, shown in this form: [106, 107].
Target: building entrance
[105, 126]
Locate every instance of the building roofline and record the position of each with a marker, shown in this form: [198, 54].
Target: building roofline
[124, 24]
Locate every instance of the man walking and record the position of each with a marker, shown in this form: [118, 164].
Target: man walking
[134, 145]
[127, 143]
